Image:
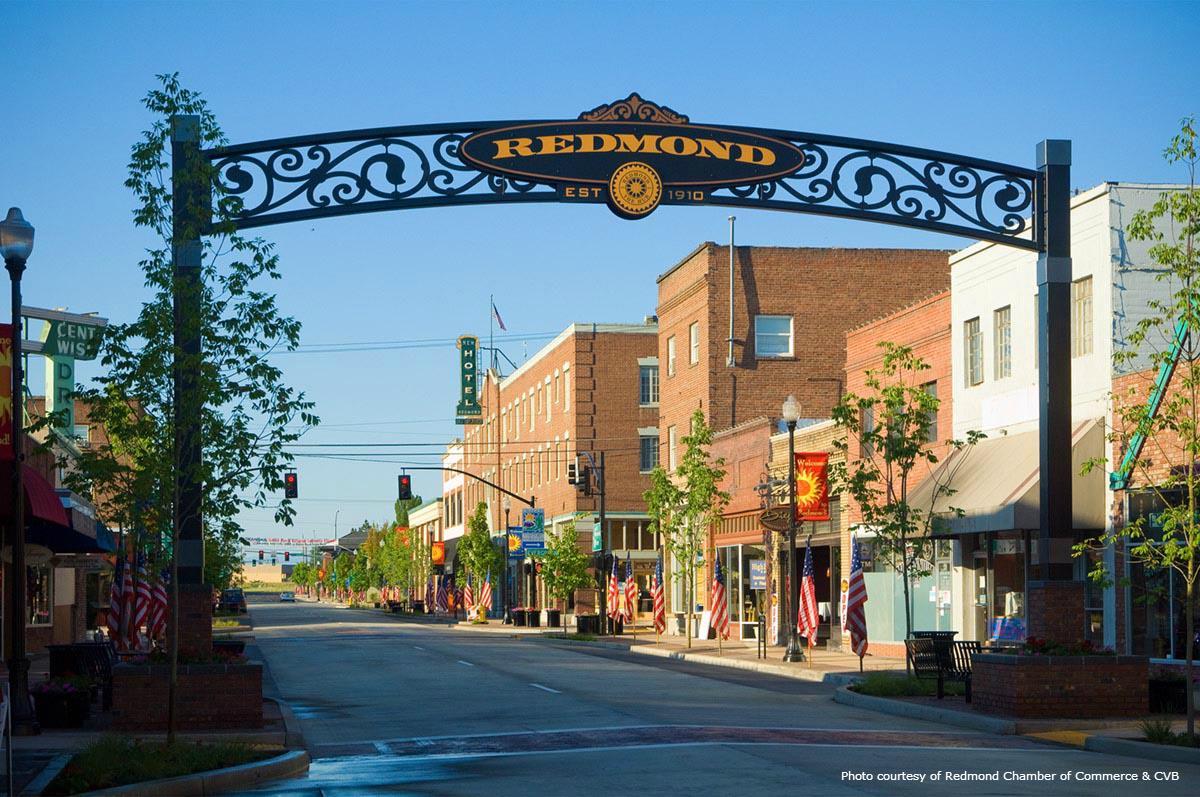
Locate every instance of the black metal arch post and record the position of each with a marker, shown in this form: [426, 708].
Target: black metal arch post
[419, 166]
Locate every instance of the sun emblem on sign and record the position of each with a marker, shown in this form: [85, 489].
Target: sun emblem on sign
[634, 189]
[808, 488]
[514, 542]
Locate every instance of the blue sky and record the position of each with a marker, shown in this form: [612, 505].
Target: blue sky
[987, 79]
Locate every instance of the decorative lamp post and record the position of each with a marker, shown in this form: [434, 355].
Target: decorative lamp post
[16, 242]
[791, 414]
[506, 505]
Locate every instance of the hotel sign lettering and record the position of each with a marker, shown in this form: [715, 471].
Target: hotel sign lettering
[468, 410]
[632, 155]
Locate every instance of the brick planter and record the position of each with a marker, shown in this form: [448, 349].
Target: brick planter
[1060, 686]
[210, 696]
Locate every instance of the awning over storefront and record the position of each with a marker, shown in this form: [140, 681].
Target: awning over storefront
[995, 484]
[41, 502]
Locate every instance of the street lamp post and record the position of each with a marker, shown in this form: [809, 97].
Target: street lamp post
[506, 504]
[16, 242]
[791, 414]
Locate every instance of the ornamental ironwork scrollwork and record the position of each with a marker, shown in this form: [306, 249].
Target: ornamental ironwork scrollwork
[289, 180]
[901, 185]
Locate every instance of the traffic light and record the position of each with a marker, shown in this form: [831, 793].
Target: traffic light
[572, 473]
[291, 485]
[287, 556]
[405, 487]
[260, 555]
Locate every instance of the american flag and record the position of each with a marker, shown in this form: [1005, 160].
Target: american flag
[807, 618]
[631, 591]
[129, 637]
[854, 619]
[485, 594]
[141, 614]
[468, 596]
[441, 604]
[614, 594]
[499, 320]
[720, 612]
[158, 606]
[660, 598]
[429, 594]
[115, 603]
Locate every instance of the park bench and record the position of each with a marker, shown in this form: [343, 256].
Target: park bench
[944, 660]
[395, 607]
[91, 659]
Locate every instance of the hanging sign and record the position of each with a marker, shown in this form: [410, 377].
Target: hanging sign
[468, 410]
[812, 486]
[533, 529]
[437, 553]
[632, 155]
[6, 400]
[516, 543]
[69, 339]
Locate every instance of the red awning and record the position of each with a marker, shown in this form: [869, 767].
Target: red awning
[41, 502]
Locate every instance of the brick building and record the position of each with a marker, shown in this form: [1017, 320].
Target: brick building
[593, 389]
[792, 308]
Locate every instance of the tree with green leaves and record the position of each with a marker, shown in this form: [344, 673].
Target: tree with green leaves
[683, 506]
[564, 566]
[889, 428]
[1165, 341]
[342, 564]
[301, 573]
[479, 554]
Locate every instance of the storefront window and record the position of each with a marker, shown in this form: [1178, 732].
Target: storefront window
[1008, 587]
[39, 594]
[731, 563]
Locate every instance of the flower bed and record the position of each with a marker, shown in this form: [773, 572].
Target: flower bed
[1085, 685]
[61, 702]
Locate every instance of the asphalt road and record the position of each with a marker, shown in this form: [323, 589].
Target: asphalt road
[389, 707]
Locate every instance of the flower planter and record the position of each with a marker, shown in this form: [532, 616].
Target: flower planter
[58, 710]
[1029, 686]
[553, 618]
[230, 647]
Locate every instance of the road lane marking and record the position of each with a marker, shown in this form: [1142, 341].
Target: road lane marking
[418, 647]
[545, 689]
[382, 748]
[469, 664]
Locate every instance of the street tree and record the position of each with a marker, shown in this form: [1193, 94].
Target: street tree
[479, 553]
[683, 506]
[564, 566]
[248, 413]
[1165, 341]
[889, 428]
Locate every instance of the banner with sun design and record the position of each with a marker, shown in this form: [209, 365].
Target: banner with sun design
[812, 486]
[6, 402]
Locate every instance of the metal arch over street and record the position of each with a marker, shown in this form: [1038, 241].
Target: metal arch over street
[421, 166]
[632, 155]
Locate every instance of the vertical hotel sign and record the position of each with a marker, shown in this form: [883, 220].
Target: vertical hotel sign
[468, 410]
[6, 398]
[812, 486]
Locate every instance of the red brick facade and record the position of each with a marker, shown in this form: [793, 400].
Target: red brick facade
[210, 696]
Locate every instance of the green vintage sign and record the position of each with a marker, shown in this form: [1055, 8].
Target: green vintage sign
[68, 339]
[468, 410]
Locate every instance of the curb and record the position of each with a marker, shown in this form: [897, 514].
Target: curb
[39, 783]
[916, 711]
[217, 781]
[832, 679]
[1137, 749]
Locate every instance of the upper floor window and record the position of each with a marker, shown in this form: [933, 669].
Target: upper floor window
[671, 356]
[973, 351]
[566, 388]
[773, 336]
[694, 343]
[648, 385]
[1081, 317]
[672, 440]
[931, 419]
[1002, 342]
[648, 455]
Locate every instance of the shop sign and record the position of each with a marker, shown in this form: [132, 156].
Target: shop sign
[70, 339]
[437, 553]
[812, 486]
[1150, 507]
[533, 529]
[6, 399]
[631, 155]
[758, 574]
[776, 518]
[468, 410]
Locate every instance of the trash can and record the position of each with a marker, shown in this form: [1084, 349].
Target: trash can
[553, 618]
[587, 624]
[535, 618]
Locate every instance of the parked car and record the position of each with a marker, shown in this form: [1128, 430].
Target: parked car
[287, 597]
[233, 600]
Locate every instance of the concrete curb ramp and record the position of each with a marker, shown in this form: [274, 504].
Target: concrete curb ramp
[1131, 747]
[218, 781]
[917, 711]
[765, 667]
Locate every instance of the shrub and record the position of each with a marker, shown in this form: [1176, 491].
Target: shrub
[886, 684]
